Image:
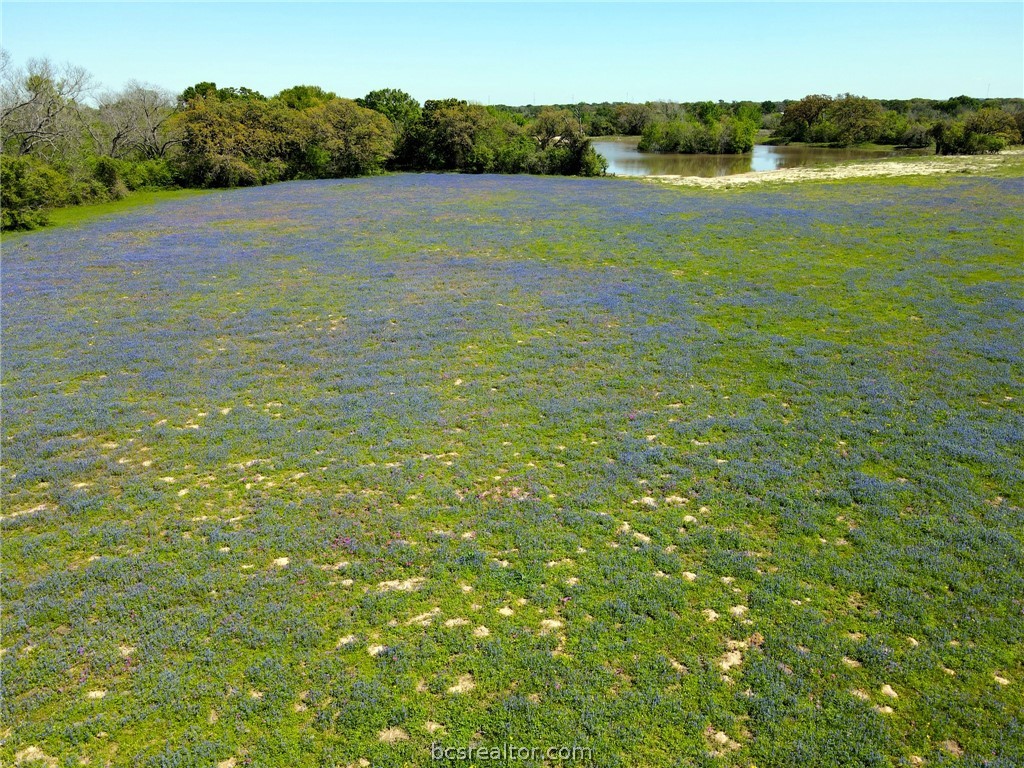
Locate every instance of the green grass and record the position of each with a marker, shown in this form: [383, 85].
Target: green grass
[72, 215]
[734, 462]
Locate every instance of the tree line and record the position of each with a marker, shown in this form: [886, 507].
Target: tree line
[959, 125]
[62, 143]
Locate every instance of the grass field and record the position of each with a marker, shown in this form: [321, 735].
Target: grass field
[323, 473]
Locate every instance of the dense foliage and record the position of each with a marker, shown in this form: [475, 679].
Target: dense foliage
[987, 130]
[685, 479]
[456, 135]
[958, 126]
[843, 120]
[711, 129]
[60, 145]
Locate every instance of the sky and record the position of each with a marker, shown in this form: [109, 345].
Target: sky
[538, 52]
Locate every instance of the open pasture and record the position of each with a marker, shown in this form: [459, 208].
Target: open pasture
[324, 472]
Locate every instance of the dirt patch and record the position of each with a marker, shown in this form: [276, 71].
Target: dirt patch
[424, 619]
[465, 684]
[406, 585]
[729, 660]
[953, 748]
[720, 742]
[34, 755]
[391, 735]
[23, 512]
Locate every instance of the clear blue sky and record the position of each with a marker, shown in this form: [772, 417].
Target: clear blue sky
[518, 53]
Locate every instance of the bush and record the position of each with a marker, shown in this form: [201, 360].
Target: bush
[119, 177]
[107, 171]
[987, 130]
[726, 135]
[147, 174]
[229, 171]
[28, 187]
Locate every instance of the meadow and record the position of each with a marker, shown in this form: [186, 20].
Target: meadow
[326, 472]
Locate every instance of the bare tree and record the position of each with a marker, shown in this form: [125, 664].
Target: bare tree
[40, 106]
[134, 121]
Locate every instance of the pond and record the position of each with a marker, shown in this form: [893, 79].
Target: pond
[625, 160]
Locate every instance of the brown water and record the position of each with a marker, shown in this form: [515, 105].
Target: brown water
[624, 159]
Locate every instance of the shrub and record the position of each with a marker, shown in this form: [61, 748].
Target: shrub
[987, 130]
[229, 171]
[146, 174]
[726, 135]
[28, 187]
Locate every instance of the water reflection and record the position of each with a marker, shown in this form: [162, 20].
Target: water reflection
[624, 159]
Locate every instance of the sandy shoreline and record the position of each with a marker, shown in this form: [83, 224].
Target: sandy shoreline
[918, 166]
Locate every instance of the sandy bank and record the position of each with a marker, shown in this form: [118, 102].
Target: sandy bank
[913, 166]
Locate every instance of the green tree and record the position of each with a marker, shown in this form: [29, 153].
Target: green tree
[987, 130]
[632, 119]
[397, 106]
[556, 126]
[28, 187]
[707, 112]
[205, 90]
[356, 140]
[849, 120]
[304, 96]
[958, 105]
[236, 142]
[799, 117]
[443, 136]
